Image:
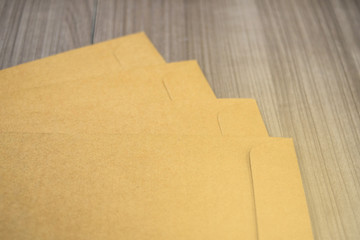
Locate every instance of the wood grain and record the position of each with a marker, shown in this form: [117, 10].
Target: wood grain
[299, 58]
[32, 29]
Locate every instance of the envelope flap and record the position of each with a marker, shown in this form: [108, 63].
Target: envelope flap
[242, 119]
[280, 201]
[133, 46]
[184, 78]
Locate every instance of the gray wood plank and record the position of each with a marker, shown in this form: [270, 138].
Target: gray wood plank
[156, 18]
[32, 29]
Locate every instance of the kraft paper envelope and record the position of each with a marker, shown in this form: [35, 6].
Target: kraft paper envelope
[130, 51]
[239, 117]
[57, 186]
[121, 105]
[180, 80]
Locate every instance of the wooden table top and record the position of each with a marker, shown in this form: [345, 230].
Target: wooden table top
[300, 59]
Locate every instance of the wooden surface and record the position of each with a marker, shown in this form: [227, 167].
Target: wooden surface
[299, 58]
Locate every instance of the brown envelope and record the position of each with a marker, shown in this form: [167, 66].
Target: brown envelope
[238, 117]
[55, 186]
[130, 51]
[180, 80]
[135, 101]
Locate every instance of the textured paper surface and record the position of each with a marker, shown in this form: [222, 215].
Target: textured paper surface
[281, 213]
[57, 186]
[239, 117]
[181, 80]
[122, 53]
[144, 100]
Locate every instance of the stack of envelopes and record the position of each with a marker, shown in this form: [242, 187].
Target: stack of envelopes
[110, 142]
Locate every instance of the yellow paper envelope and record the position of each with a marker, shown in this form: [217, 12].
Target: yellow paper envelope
[122, 53]
[141, 100]
[180, 80]
[239, 117]
[57, 186]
